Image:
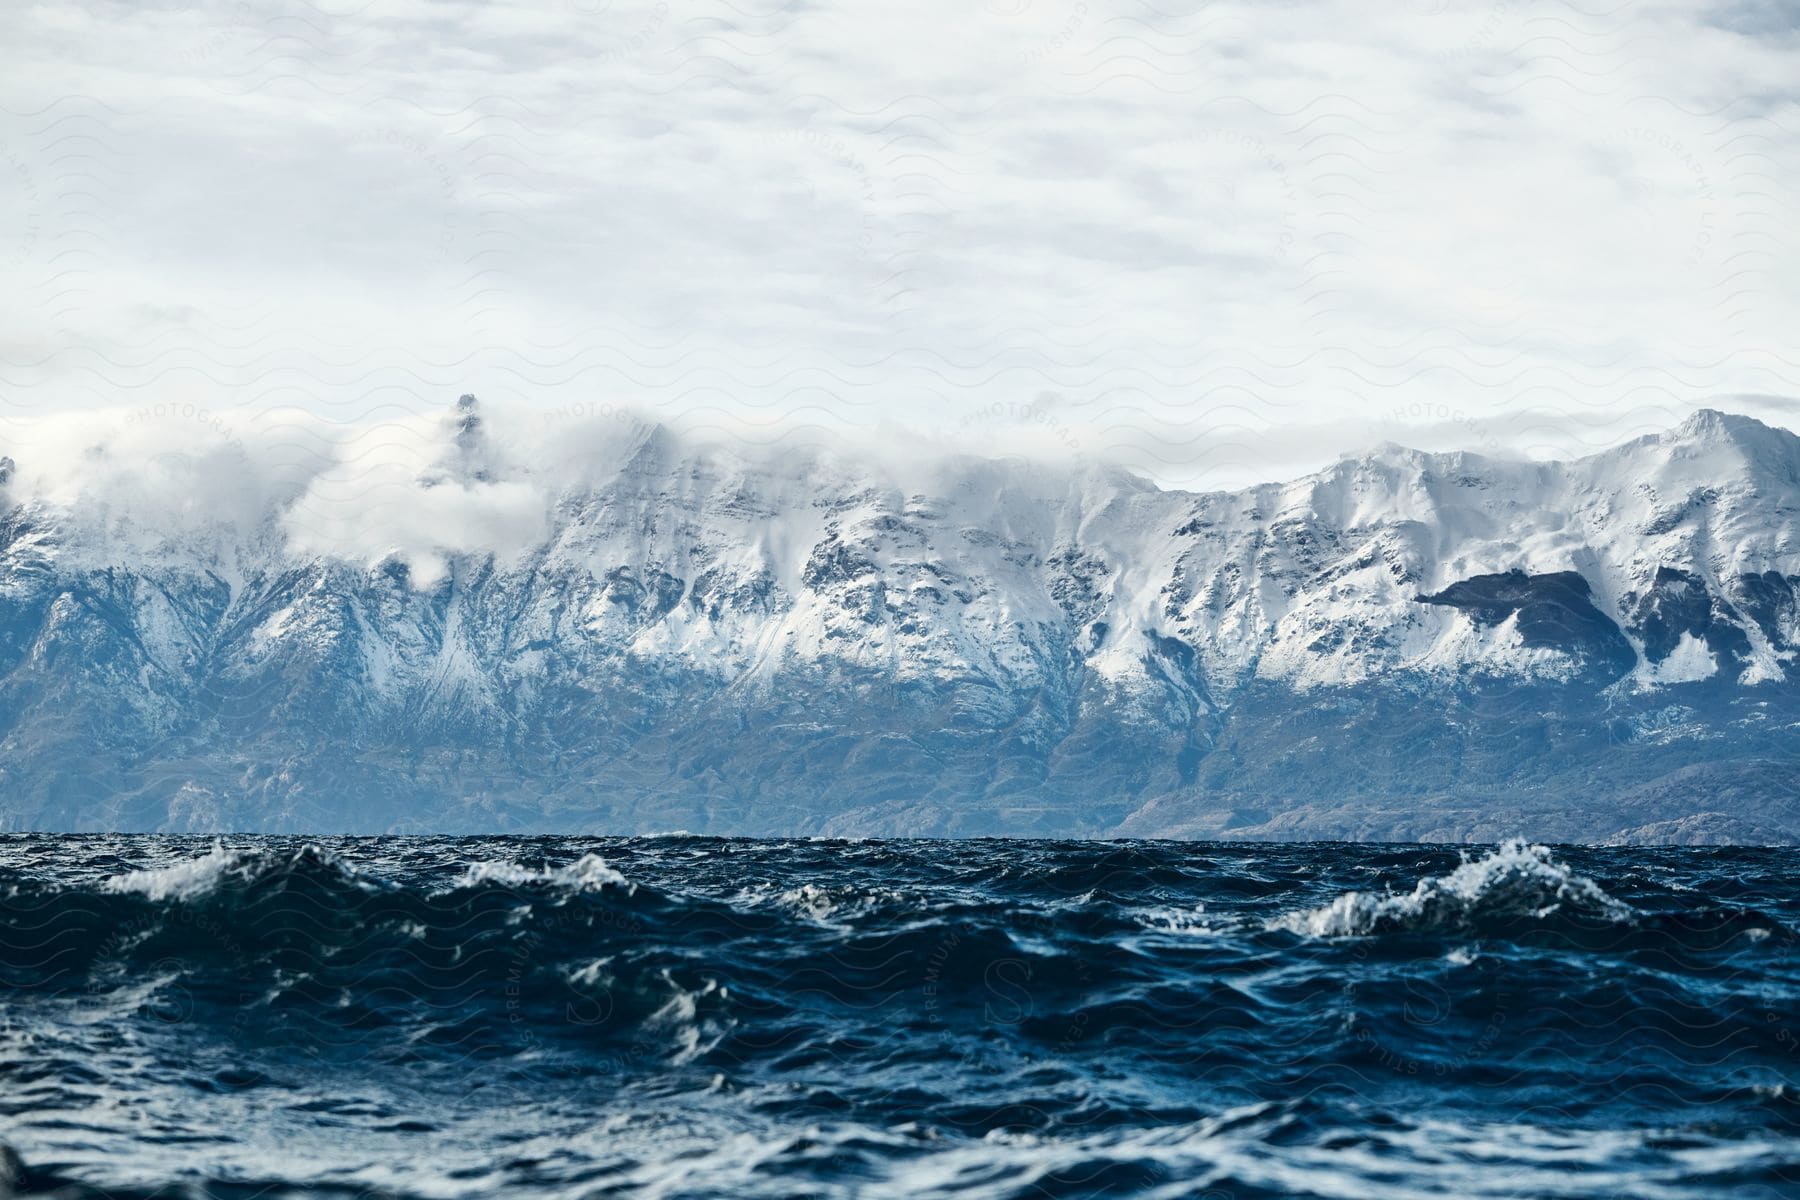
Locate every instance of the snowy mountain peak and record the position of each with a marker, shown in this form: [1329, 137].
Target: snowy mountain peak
[962, 642]
[1731, 443]
[1707, 423]
[1389, 454]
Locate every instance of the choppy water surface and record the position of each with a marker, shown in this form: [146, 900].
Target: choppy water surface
[698, 1017]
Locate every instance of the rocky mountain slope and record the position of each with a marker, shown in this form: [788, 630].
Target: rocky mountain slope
[667, 635]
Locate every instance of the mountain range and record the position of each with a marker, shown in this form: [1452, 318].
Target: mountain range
[686, 636]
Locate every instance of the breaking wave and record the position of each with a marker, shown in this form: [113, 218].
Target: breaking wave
[1518, 883]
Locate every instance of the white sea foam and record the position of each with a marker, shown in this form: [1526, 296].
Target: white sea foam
[589, 873]
[692, 1033]
[1517, 880]
[200, 876]
[809, 900]
[824, 904]
[183, 880]
[1179, 919]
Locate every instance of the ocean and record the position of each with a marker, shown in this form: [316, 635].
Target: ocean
[698, 1017]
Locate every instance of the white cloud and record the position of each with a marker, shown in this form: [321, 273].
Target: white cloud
[1223, 236]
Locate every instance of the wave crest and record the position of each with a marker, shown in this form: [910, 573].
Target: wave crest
[225, 869]
[1517, 882]
[590, 872]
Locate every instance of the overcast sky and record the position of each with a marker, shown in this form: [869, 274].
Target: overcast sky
[1214, 242]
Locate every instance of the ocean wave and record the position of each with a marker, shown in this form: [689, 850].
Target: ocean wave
[706, 1017]
[1516, 883]
[588, 873]
[1291, 1149]
[222, 869]
[183, 880]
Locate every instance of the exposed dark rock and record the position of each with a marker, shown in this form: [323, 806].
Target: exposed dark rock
[1680, 603]
[1555, 611]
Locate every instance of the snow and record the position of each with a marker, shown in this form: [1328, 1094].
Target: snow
[974, 566]
[1689, 662]
[1766, 662]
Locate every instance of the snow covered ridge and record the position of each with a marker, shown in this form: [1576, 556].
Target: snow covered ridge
[486, 626]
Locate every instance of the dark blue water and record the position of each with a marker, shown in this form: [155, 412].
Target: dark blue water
[693, 1017]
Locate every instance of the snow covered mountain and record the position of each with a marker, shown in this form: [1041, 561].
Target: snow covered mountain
[651, 633]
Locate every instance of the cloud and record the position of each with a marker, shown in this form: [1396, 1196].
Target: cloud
[1217, 232]
[178, 487]
[421, 492]
[186, 484]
